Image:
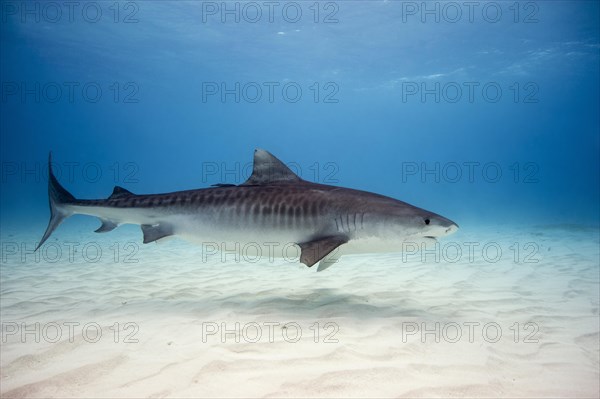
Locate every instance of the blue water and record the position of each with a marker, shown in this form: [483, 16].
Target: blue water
[385, 104]
[483, 112]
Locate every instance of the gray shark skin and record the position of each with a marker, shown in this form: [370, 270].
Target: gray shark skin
[274, 207]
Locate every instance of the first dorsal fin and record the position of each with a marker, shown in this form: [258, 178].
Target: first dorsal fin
[268, 169]
[120, 192]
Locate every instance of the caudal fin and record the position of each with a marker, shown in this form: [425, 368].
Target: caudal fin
[58, 198]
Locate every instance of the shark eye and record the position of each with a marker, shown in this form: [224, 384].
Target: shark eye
[427, 221]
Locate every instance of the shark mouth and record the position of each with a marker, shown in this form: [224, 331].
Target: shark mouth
[418, 237]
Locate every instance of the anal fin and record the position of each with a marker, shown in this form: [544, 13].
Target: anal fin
[153, 232]
[315, 250]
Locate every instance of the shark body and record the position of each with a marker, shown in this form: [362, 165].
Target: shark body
[271, 210]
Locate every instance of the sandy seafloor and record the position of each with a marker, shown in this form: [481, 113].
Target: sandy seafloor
[517, 326]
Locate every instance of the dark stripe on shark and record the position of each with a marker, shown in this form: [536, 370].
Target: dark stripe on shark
[265, 206]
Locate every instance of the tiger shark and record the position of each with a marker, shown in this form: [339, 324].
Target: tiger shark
[273, 209]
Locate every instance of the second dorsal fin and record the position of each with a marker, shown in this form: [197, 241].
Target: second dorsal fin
[120, 192]
[268, 169]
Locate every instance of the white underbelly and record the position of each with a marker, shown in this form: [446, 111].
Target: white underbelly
[249, 241]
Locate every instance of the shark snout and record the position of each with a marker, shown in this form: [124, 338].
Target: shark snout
[440, 226]
[452, 228]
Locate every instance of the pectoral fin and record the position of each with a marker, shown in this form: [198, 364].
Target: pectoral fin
[315, 250]
[329, 261]
[153, 232]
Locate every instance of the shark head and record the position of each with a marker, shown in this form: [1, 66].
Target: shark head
[423, 224]
[432, 225]
[400, 222]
